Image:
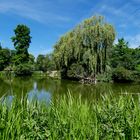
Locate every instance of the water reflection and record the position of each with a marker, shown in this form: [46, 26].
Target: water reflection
[41, 95]
[49, 89]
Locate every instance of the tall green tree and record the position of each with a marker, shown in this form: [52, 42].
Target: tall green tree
[86, 46]
[125, 62]
[21, 40]
[122, 55]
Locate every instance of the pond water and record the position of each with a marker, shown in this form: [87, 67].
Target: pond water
[48, 89]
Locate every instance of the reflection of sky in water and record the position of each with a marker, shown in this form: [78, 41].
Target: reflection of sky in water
[8, 100]
[47, 89]
[41, 95]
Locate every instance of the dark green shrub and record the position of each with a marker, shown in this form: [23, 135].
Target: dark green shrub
[23, 69]
[136, 76]
[75, 71]
[105, 77]
[122, 75]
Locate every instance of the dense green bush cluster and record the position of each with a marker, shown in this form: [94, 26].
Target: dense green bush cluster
[125, 62]
[122, 74]
[70, 118]
[23, 69]
[75, 71]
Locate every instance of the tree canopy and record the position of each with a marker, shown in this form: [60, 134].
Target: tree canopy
[45, 63]
[21, 40]
[86, 46]
[125, 61]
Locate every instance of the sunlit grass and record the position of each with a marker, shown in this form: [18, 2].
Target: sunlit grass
[70, 118]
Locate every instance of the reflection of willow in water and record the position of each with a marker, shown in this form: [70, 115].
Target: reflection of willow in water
[49, 85]
[88, 92]
[58, 88]
[54, 89]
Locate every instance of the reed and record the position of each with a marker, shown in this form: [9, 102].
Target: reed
[70, 118]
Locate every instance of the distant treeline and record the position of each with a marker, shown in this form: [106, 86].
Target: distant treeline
[87, 51]
[19, 60]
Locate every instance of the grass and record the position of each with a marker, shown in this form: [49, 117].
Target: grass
[69, 118]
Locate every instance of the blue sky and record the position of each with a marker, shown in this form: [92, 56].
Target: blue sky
[50, 19]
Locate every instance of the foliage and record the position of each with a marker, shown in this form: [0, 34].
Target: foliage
[0, 46]
[105, 77]
[125, 61]
[22, 60]
[45, 63]
[87, 45]
[70, 118]
[75, 71]
[41, 65]
[4, 58]
[21, 40]
[122, 74]
[23, 69]
[136, 57]
[12, 57]
[31, 59]
[87, 51]
[122, 56]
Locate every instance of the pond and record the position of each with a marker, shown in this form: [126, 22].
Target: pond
[48, 89]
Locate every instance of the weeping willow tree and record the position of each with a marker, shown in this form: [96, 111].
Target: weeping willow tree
[84, 50]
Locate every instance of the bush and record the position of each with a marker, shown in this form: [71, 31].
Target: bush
[23, 69]
[105, 77]
[136, 76]
[138, 68]
[75, 71]
[122, 75]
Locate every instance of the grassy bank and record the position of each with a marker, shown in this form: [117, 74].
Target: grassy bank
[69, 118]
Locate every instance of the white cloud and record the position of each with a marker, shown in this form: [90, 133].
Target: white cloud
[134, 41]
[124, 14]
[116, 41]
[36, 11]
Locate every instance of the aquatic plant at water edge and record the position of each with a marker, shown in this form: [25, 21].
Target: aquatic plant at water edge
[71, 118]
